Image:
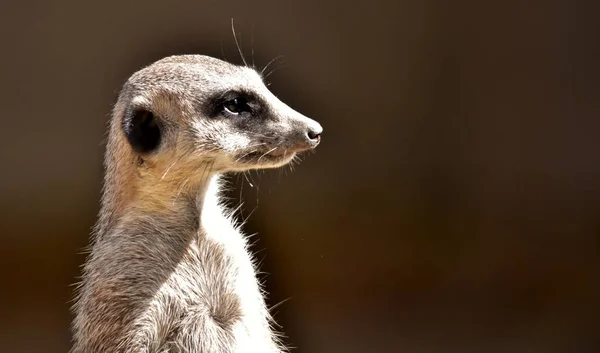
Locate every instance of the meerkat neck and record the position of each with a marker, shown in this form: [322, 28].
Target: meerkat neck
[135, 253]
[174, 191]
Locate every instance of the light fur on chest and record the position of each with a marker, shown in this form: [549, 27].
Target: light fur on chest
[212, 295]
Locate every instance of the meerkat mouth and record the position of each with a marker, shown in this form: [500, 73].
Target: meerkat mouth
[273, 157]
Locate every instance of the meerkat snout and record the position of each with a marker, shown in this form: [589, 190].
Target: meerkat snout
[303, 134]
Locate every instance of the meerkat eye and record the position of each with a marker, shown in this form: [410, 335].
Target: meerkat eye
[237, 105]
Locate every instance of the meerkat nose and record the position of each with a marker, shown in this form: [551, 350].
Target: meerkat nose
[313, 134]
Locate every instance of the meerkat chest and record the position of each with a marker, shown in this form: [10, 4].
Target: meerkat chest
[213, 293]
[215, 275]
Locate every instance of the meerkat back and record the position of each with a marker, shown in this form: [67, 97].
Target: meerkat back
[169, 270]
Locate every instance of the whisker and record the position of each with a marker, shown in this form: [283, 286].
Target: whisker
[269, 63]
[278, 304]
[245, 155]
[252, 44]
[246, 176]
[237, 43]
[191, 174]
[250, 214]
[184, 153]
[223, 50]
[266, 153]
[241, 186]
[275, 69]
[181, 188]
[257, 186]
[249, 152]
[168, 169]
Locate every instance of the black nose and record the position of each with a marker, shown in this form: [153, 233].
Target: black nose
[314, 134]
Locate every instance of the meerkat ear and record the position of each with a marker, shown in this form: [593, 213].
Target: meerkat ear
[142, 130]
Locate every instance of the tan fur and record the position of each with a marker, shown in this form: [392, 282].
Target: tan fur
[168, 269]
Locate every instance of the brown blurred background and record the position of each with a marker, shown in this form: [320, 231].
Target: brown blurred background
[452, 206]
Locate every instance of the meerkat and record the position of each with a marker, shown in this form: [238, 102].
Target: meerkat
[169, 269]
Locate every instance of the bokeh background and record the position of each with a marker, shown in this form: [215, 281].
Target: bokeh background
[453, 205]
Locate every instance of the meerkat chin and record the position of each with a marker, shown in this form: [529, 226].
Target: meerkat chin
[169, 269]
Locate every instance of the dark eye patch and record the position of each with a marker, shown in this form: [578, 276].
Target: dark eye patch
[235, 103]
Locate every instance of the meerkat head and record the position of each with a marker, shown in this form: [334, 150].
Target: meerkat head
[196, 110]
